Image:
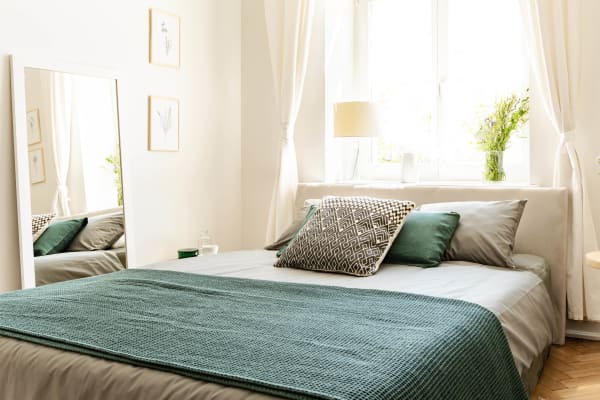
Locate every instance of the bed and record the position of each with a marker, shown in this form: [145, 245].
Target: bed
[97, 249]
[78, 264]
[531, 316]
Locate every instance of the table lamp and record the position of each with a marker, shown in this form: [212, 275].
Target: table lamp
[356, 119]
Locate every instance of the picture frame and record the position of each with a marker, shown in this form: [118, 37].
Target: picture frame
[34, 131]
[37, 166]
[163, 124]
[165, 31]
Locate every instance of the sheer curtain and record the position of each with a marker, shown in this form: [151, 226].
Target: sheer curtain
[555, 59]
[289, 25]
[61, 109]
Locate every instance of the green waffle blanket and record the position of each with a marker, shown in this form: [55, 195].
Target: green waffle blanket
[290, 340]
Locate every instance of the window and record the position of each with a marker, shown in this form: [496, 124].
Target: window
[436, 67]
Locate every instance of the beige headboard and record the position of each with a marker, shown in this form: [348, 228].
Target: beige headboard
[542, 231]
[92, 213]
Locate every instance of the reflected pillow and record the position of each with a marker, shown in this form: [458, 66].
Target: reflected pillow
[39, 223]
[120, 243]
[423, 239]
[101, 233]
[350, 235]
[58, 236]
[40, 232]
[486, 231]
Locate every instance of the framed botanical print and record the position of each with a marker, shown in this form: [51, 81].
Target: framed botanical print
[163, 123]
[34, 132]
[37, 167]
[164, 38]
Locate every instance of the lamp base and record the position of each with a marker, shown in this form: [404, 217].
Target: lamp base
[353, 159]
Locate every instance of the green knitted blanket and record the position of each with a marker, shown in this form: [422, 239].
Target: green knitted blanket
[289, 340]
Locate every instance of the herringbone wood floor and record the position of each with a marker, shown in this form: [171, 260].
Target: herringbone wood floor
[571, 372]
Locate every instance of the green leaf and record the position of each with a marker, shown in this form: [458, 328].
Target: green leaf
[510, 114]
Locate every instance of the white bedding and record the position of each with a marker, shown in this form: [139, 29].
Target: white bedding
[518, 298]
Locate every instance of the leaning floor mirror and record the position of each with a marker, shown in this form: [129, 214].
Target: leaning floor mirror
[69, 175]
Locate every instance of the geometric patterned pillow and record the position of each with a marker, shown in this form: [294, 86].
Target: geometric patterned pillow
[349, 235]
[40, 221]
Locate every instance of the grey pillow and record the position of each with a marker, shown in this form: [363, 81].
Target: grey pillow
[100, 233]
[486, 230]
[350, 235]
[294, 227]
[286, 236]
[534, 264]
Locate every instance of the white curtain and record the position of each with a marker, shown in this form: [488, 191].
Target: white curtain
[289, 27]
[61, 117]
[555, 60]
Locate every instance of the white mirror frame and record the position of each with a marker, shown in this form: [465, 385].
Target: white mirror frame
[18, 65]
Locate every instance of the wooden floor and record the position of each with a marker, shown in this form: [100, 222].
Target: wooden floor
[571, 372]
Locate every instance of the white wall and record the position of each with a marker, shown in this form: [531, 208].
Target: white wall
[259, 117]
[175, 195]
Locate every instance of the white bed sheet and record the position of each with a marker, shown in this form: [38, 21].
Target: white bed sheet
[518, 298]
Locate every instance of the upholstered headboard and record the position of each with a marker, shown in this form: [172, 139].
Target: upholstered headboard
[90, 214]
[542, 231]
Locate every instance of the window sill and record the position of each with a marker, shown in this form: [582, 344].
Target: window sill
[389, 184]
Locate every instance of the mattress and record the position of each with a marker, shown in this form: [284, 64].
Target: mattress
[517, 297]
[77, 264]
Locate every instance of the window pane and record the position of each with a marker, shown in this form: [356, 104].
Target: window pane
[437, 67]
[400, 70]
[485, 61]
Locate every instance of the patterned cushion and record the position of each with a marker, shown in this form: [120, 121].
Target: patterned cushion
[40, 222]
[350, 235]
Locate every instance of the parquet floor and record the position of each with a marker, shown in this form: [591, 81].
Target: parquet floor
[571, 372]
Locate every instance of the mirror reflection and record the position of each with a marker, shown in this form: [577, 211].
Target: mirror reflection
[75, 174]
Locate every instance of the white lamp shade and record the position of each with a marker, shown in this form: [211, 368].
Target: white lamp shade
[356, 119]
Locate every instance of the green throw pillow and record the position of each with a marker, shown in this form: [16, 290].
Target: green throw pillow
[311, 211]
[58, 236]
[423, 239]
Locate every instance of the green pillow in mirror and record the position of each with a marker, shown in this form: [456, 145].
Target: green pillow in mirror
[58, 236]
[423, 239]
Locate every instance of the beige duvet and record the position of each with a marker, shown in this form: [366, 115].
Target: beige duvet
[32, 372]
[518, 298]
[77, 264]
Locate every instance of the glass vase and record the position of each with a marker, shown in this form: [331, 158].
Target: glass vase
[494, 166]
